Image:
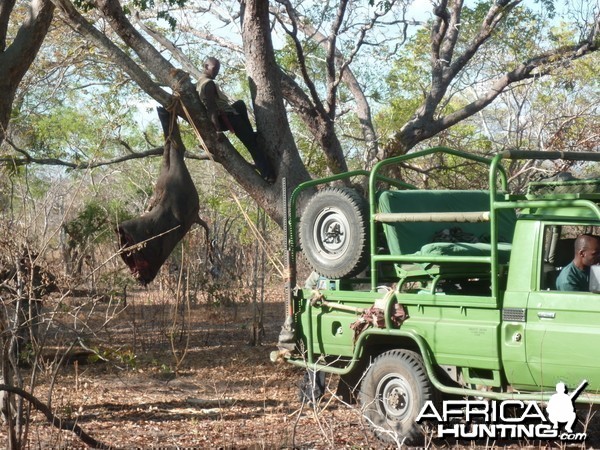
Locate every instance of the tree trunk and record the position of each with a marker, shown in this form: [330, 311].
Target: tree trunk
[271, 117]
[17, 58]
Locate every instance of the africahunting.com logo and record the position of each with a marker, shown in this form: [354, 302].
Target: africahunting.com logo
[507, 419]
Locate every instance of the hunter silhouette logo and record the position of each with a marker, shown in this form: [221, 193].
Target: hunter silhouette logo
[506, 419]
[561, 406]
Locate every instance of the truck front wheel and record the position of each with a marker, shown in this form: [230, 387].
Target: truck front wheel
[392, 394]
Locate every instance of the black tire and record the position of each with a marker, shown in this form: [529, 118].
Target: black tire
[333, 232]
[393, 393]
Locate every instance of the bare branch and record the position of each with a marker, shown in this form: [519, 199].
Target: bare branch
[175, 51]
[213, 38]
[497, 12]
[538, 66]
[28, 159]
[293, 33]
[296, 96]
[68, 425]
[226, 19]
[424, 125]
[83, 27]
[331, 58]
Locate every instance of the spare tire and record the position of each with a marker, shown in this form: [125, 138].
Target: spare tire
[333, 232]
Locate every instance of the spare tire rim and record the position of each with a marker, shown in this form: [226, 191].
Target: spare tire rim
[394, 397]
[330, 234]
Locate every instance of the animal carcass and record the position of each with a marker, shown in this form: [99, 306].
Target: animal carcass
[147, 241]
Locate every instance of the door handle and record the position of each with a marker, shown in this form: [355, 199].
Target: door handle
[546, 315]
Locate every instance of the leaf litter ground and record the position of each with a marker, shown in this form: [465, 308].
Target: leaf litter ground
[224, 393]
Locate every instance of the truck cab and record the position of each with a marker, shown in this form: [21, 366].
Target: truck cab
[415, 294]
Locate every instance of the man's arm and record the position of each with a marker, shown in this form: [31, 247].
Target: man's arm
[210, 101]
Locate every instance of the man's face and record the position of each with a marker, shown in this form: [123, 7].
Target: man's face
[211, 69]
[591, 254]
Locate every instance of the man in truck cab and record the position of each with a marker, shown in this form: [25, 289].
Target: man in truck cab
[576, 275]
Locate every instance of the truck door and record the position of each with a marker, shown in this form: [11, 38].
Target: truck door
[562, 330]
[562, 338]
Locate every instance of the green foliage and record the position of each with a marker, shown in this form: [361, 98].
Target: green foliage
[74, 105]
[124, 356]
[407, 82]
[62, 134]
[382, 5]
[84, 5]
[518, 37]
[549, 5]
[162, 14]
[95, 221]
[313, 53]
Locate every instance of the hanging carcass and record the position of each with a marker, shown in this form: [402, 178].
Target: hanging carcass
[147, 241]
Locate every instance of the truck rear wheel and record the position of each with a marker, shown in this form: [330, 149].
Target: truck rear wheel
[392, 394]
[333, 232]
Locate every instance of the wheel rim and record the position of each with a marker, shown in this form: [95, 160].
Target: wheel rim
[394, 397]
[330, 234]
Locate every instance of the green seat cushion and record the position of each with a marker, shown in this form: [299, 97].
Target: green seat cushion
[466, 250]
[408, 237]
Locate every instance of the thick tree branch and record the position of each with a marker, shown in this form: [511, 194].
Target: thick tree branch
[452, 32]
[497, 12]
[6, 8]
[331, 59]
[536, 67]
[298, 98]
[154, 62]
[23, 49]
[312, 111]
[420, 128]
[425, 125]
[444, 67]
[184, 99]
[293, 34]
[18, 57]
[438, 31]
[184, 89]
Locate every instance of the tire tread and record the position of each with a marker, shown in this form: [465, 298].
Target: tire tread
[359, 257]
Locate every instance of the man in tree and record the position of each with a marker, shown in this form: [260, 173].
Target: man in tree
[231, 116]
[576, 275]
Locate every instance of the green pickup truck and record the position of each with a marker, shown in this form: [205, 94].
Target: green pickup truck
[417, 295]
